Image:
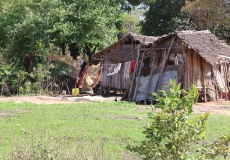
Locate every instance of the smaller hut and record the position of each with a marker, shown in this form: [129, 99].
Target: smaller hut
[189, 57]
[118, 61]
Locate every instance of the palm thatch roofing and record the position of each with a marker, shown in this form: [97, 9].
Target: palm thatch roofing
[125, 48]
[207, 45]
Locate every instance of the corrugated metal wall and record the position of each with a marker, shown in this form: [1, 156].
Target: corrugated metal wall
[143, 82]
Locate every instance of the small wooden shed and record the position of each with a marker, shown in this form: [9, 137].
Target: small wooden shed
[189, 57]
[117, 59]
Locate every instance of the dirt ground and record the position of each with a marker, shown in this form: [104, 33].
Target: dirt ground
[220, 107]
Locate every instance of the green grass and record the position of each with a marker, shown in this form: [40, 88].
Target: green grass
[79, 131]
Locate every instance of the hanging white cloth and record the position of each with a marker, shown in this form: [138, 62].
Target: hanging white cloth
[220, 80]
[127, 66]
[116, 70]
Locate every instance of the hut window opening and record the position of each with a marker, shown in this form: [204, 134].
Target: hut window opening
[146, 68]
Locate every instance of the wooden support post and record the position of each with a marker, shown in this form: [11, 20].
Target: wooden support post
[226, 71]
[188, 60]
[121, 76]
[138, 77]
[110, 83]
[216, 93]
[215, 84]
[163, 65]
[192, 66]
[133, 77]
[185, 69]
[102, 72]
[202, 80]
[227, 74]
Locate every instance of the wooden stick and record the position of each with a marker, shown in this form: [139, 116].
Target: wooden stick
[163, 65]
[138, 77]
[202, 79]
[134, 73]
[215, 84]
[185, 70]
[166, 48]
[192, 59]
[227, 65]
[132, 80]
[188, 60]
[121, 76]
[225, 72]
[150, 79]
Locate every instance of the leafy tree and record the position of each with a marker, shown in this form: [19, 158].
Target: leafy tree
[41, 26]
[223, 32]
[131, 23]
[160, 18]
[88, 24]
[210, 14]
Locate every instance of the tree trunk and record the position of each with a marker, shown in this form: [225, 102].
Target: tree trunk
[63, 47]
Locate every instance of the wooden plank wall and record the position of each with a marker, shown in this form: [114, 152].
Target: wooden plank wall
[194, 73]
[116, 81]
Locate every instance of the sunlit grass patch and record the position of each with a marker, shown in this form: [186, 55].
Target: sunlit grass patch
[79, 131]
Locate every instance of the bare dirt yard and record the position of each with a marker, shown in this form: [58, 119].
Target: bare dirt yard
[220, 107]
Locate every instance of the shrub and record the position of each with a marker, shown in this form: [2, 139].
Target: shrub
[172, 132]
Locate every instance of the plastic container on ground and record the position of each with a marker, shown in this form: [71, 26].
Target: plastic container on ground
[75, 91]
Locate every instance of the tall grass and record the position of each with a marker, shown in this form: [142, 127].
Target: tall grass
[78, 131]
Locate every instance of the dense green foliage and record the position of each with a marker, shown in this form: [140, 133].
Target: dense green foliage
[173, 133]
[91, 25]
[86, 26]
[54, 26]
[160, 18]
[163, 16]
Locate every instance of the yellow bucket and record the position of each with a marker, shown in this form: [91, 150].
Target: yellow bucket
[75, 91]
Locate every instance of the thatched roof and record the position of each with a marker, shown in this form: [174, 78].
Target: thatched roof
[204, 43]
[122, 50]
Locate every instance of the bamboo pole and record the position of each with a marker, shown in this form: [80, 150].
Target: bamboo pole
[138, 77]
[163, 65]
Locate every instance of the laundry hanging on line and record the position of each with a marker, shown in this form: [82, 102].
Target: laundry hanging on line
[116, 70]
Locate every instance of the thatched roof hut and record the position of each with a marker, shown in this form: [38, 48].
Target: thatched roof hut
[204, 43]
[189, 57]
[125, 48]
[121, 53]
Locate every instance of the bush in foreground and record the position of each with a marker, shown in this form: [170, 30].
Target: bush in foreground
[173, 134]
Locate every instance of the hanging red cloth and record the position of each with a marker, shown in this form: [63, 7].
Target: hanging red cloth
[82, 76]
[133, 64]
